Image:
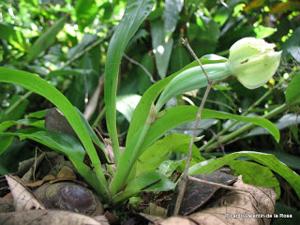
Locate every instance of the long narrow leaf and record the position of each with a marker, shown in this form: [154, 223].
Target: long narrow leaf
[135, 13]
[140, 123]
[61, 143]
[268, 160]
[38, 85]
[176, 116]
[46, 39]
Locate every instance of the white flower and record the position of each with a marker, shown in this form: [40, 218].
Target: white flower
[253, 61]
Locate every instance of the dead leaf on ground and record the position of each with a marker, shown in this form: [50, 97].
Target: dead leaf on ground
[247, 205]
[53, 217]
[197, 194]
[23, 199]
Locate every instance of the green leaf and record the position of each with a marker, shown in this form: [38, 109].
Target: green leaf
[143, 109]
[16, 110]
[204, 35]
[35, 84]
[176, 116]
[61, 143]
[68, 72]
[45, 40]
[293, 91]
[126, 105]
[267, 160]
[168, 167]
[162, 47]
[3, 170]
[86, 41]
[86, 10]
[160, 151]
[92, 133]
[12, 36]
[139, 125]
[135, 13]
[38, 114]
[264, 32]
[179, 59]
[287, 120]
[152, 181]
[171, 14]
[256, 174]
[292, 45]
[191, 79]
[5, 142]
[136, 133]
[23, 122]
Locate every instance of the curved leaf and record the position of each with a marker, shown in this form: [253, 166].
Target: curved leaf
[175, 116]
[43, 88]
[268, 160]
[61, 143]
[150, 181]
[144, 113]
[135, 13]
[160, 151]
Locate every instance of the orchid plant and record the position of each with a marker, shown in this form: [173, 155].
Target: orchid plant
[135, 169]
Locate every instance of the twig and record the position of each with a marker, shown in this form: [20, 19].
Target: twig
[34, 165]
[92, 105]
[17, 103]
[87, 49]
[182, 183]
[214, 184]
[141, 66]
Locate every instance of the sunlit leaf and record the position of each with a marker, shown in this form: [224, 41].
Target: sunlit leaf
[126, 105]
[45, 40]
[171, 14]
[162, 47]
[86, 11]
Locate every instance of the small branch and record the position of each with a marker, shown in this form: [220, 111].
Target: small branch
[92, 104]
[87, 49]
[17, 103]
[214, 184]
[141, 66]
[184, 179]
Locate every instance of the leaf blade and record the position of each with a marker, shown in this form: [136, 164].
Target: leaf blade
[38, 85]
[135, 13]
[45, 40]
[182, 114]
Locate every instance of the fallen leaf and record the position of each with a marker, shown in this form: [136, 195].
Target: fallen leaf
[23, 199]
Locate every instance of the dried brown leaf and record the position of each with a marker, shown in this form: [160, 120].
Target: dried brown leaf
[247, 205]
[50, 217]
[23, 199]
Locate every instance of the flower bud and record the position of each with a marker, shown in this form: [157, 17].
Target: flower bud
[253, 61]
